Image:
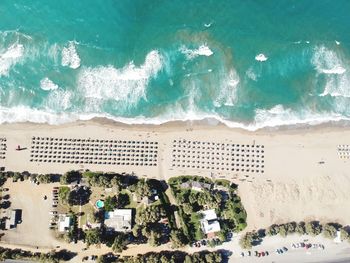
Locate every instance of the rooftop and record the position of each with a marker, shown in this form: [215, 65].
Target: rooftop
[209, 222]
[119, 219]
[63, 222]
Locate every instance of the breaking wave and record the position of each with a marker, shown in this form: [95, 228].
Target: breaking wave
[334, 68]
[202, 50]
[126, 84]
[228, 90]
[70, 57]
[47, 84]
[261, 57]
[10, 57]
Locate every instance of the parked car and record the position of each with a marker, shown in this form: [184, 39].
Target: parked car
[285, 249]
[242, 254]
[53, 213]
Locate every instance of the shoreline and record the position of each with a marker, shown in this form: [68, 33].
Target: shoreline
[206, 123]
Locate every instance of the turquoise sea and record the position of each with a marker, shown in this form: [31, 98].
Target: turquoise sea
[247, 63]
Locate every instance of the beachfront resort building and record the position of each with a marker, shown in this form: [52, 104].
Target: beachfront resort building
[196, 186]
[119, 220]
[11, 221]
[64, 222]
[209, 223]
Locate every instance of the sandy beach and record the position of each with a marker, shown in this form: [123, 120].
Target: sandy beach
[302, 177]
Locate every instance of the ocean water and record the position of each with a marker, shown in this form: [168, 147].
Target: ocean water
[249, 64]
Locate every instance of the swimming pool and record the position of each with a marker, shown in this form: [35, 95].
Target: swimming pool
[99, 204]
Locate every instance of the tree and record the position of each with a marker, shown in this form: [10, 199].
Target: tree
[63, 194]
[313, 228]
[222, 235]
[110, 203]
[329, 231]
[123, 200]
[283, 230]
[119, 243]
[291, 226]
[141, 189]
[17, 176]
[93, 236]
[213, 257]
[344, 234]
[103, 181]
[45, 178]
[300, 228]
[247, 240]
[154, 239]
[79, 196]
[136, 231]
[149, 214]
[188, 259]
[272, 230]
[115, 182]
[178, 238]
[70, 177]
[187, 208]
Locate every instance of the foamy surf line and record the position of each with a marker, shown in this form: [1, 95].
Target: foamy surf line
[26, 115]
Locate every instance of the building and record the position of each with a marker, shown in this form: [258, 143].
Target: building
[64, 222]
[196, 186]
[209, 223]
[11, 221]
[119, 220]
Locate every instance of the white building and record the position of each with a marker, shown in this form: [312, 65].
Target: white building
[64, 222]
[11, 221]
[119, 220]
[209, 222]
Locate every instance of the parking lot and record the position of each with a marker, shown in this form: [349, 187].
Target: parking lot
[34, 228]
[293, 248]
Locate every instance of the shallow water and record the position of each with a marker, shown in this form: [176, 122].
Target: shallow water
[245, 63]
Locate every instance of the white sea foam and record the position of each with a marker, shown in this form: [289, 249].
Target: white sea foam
[261, 57]
[251, 74]
[208, 24]
[275, 117]
[10, 57]
[228, 90]
[334, 67]
[325, 59]
[54, 53]
[336, 70]
[202, 50]
[70, 57]
[59, 99]
[337, 86]
[47, 84]
[126, 84]
[279, 116]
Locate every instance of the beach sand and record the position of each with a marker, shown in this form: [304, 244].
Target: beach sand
[303, 178]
